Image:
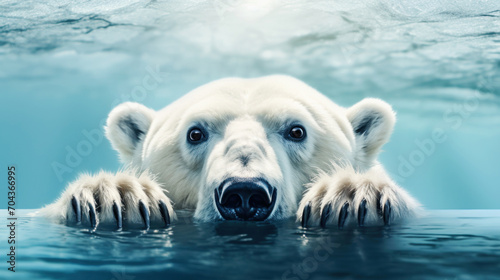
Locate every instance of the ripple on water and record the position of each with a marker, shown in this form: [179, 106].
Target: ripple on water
[257, 250]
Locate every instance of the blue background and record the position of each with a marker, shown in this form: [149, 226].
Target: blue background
[62, 71]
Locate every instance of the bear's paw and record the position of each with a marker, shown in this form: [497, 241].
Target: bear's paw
[113, 199]
[347, 196]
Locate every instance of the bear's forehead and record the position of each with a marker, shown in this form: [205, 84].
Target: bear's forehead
[271, 98]
[259, 89]
[239, 95]
[274, 101]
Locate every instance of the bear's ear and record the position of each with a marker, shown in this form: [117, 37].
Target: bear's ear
[127, 126]
[372, 121]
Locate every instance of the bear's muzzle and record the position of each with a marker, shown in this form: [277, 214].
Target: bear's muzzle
[246, 199]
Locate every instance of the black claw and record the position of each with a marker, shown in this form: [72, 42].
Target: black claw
[92, 217]
[164, 213]
[343, 215]
[362, 213]
[77, 209]
[117, 211]
[306, 214]
[325, 214]
[387, 213]
[144, 214]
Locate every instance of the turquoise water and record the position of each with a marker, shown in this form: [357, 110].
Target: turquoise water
[64, 65]
[458, 244]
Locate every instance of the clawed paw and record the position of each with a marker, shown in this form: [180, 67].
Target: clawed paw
[117, 213]
[348, 197]
[326, 212]
[113, 199]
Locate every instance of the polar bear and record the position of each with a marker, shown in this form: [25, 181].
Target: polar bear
[253, 149]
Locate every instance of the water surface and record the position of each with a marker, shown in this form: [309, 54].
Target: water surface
[65, 64]
[445, 244]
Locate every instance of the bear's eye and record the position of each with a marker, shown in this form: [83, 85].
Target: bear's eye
[296, 133]
[195, 135]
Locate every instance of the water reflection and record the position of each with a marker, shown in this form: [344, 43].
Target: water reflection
[445, 244]
[247, 232]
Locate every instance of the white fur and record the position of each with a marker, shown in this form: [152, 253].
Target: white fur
[368, 146]
[346, 185]
[120, 140]
[246, 121]
[125, 188]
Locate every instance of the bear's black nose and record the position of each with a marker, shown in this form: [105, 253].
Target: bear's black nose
[248, 199]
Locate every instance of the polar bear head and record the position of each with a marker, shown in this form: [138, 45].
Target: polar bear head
[244, 149]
